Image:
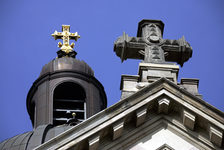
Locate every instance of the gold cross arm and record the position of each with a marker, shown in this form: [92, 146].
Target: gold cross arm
[57, 35]
[75, 36]
[66, 35]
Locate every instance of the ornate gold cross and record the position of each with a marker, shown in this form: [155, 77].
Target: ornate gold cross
[66, 36]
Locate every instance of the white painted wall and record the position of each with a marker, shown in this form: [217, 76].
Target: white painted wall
[163, 136]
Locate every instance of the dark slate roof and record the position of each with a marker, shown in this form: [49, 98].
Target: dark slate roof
[18, 142]
[67, 63]
[56, 131]
[30, 140]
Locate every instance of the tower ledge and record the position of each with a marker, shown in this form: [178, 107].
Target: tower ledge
[147, 74]
[150, 72]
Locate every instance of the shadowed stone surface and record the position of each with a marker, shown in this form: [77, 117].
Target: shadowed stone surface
[150, 46]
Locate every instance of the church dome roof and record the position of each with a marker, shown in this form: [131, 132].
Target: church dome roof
[32, 139]
[67, 64]
[17, 142]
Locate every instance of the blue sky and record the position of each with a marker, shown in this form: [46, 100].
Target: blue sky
[26, 45]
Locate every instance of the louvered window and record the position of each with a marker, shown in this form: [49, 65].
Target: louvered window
[69, 97]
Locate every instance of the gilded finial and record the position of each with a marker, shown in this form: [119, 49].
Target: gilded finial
[66, 35]
[73, 114]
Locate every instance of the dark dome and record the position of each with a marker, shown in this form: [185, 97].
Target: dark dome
[66, 63]
[17, 142]
[32, 139]
[63, 70]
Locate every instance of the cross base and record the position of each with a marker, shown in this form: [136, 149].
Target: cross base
[147, 74]
[150, 72]
[62, 54]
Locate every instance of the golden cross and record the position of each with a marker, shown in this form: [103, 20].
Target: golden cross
[66, 36]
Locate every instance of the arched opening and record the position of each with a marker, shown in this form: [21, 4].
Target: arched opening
[69, 98]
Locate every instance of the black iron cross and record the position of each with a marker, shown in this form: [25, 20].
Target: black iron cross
[151, 47]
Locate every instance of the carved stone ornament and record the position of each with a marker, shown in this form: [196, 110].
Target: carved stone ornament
[150, 46]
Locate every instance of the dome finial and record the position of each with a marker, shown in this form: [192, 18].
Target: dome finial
[66, 35]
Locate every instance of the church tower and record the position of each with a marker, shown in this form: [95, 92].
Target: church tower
[159, 56]
[155, 112]
[66, 88]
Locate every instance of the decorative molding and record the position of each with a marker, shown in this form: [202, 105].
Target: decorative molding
[163, 105]
[141, 115]
[118, 129]
[188, 119]
[94, 142]
[215, 135]
[115, 113]
[165, 147]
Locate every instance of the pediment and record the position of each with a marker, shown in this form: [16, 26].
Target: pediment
[165, 147]
[160, 136]
[162, 102]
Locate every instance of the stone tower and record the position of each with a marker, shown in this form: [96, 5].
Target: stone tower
[155, 111]
[158, 57]
[66, 85]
